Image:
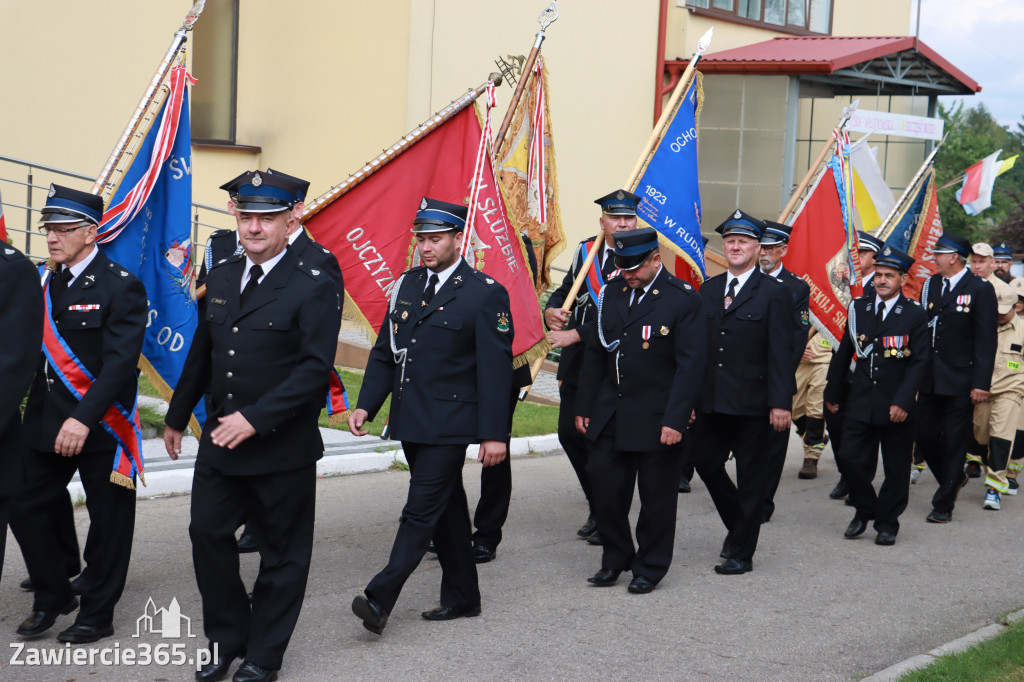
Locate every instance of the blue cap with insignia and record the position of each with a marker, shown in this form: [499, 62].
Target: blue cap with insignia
[265, 192]
[619, 202]
[439, 216]
[867, 242]
[633, 247]
[775, 233]
[741, 223]
[1003, 251]
[66, 205]
[301, 186]
[952, 243]
[889, 257]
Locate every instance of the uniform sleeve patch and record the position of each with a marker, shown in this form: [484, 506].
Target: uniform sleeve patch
[503, 324]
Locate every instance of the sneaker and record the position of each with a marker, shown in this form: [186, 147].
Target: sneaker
[973, 470]
[1013, 486]
[915, 475]
[991, 500]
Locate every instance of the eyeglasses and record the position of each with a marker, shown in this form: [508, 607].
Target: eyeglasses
[61, 231]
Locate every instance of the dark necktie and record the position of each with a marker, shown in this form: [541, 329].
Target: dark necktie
[430, 290]
[880, 313]
[255, 272]
[731, 293]
[635, 299]
[60, 284]
[945, 287]
[609, 266]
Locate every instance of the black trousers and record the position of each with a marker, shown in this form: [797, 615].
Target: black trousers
[834, 424]
[860, 456]
[572, 441]
[944, 427]
[42, 514]
[778, 444]
[739, 504]
[435, 508]
[283, 505]
[613, 475]
[496, 490]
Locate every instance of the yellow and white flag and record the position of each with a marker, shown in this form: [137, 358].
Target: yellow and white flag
[873, 197]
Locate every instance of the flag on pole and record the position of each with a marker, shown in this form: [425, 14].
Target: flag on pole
[915, 229]
[976, 193]
[3, 223]
[669, 190]
[1005, 165]
[528, 174]
[821, 251]
[368, 228]
[147, 230]
[872, 196]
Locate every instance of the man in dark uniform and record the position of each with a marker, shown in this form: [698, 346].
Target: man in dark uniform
[962, 314]
[888, 334]
[262, 352]
[1003, 261]
[618, 214]
[637, 394]
[22, 312]
[748, 385]
[444, 354]
[98, 310]
[224, 244]
[496, 481]
[868, 247]
[774, 246]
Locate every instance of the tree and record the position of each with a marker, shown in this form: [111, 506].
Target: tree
[972, 134]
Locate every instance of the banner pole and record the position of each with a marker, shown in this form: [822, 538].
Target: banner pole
[886, 228]
[132, 131]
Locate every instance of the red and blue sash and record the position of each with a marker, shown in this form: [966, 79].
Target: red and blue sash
[337, 397]
[595, 280]
[121, 424]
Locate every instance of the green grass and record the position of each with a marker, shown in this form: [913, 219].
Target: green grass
[530, 419]
[147, 388]
[150, 418]
[996, 660]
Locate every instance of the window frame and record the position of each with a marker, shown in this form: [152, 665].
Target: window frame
[733, 16]
[232, 139]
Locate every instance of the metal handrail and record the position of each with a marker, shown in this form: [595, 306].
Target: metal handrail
[29, 184]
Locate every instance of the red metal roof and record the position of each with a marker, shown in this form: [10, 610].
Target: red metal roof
[822, 55]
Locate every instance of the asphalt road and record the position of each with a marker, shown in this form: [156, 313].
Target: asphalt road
[816, 607]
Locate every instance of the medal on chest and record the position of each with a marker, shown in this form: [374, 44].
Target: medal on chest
[645, 334]
[963, 304]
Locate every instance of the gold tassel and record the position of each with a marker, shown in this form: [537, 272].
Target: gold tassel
[117, 478]
[339, 418]
[538, 350]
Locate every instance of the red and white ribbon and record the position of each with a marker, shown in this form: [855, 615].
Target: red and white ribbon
[536, 177]
[480, 166]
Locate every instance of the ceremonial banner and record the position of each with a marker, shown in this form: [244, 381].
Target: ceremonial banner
[528, 175]
[146, 230]
[369, 227]
[914, 230]
[668, 187]
[820, 253]
[874, 199]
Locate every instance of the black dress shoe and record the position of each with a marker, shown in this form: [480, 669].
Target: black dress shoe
[684, 484]
[26, 584]
[856, 528]
[588, 528]
[885, 538]
[373, 614]
[604, 577]
[640, 585]
[483, 554]
[41, 621]
[250, 672]
[216, 670]
[733, 566]
[432, 548]
[726, 549]
[595, 539]
[247, 543]
[85, 634]
[840, 491]
[450, 613]
[939, 517]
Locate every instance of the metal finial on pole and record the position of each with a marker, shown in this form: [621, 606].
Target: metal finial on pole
[548, 16]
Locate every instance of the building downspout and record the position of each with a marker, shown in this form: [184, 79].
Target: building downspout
[659, 86]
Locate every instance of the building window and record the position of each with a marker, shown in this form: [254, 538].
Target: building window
[215, 66]
[791, 16]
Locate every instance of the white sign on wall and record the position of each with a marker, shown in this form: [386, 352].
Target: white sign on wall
[900, 125]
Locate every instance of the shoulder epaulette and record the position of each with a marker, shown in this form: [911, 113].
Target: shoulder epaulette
[416, 269]
[220, 233]
[485, 278]
[229, 259]
[309, 269]
[9, 252]
[680, 284]
[117, 269]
